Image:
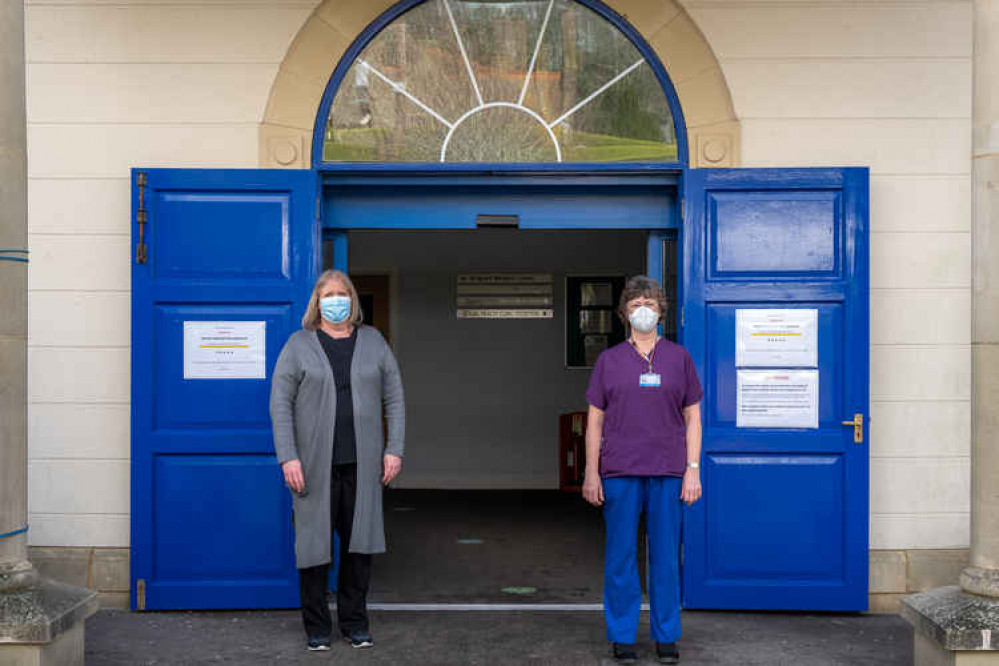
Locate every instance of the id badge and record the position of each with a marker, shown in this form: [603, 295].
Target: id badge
[650, 380]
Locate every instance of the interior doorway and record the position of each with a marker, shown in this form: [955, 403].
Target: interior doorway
[495, 331]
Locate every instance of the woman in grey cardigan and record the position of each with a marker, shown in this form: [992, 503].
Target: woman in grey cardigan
[331, 382]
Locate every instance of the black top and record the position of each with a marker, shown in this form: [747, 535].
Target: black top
[340, 352]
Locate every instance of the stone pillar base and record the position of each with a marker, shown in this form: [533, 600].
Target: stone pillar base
[43, 625]
[953, 628]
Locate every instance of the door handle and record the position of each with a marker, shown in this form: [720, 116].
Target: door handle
[858, 427]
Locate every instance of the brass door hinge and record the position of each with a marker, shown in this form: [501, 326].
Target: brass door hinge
[141, 218]
[140, 593]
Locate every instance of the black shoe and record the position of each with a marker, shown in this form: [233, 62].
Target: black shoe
[358, 638]
[667, 653]
[316, 644]
[624, 653]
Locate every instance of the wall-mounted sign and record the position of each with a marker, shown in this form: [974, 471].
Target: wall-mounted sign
[505, 296]
[225, 349]
[777, 399]
[776, 338]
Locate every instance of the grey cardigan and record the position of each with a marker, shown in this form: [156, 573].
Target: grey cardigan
[303, 413]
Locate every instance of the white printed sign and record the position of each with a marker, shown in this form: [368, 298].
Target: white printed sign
[224, 349]
[777, 399]
[776, 338]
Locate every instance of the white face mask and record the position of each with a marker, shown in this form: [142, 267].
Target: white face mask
[643, 319]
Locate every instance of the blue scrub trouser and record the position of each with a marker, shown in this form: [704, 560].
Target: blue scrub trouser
[624, 499]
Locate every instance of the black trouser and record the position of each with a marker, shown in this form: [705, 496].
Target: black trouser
[355, 568]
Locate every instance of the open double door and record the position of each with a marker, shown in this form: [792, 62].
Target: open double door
[225, 262]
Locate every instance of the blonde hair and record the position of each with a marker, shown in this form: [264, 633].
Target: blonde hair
[313, 316]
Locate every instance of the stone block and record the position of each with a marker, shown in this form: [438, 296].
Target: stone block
[705, 99]
[647, 16]
[351, 18]
[911, 530]
[111, 150]
[113, 600]
[79, 486]
[72, 529]
[715, 145]
[953, 619]
[111, 569]
[66, 565]
[66, 650]
[932, 372]
[316, 51]
[683, 50]
[884, 603]
[914, 146]
[285, 147]
[40, 614]
[78, 263]
[294, 101]
[935, 568]
[920, 485]
[920, 428]
[887, 571]
[77, 375]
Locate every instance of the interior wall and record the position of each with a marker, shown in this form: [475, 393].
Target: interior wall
[483, 396]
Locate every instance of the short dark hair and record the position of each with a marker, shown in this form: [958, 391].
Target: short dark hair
[640, 286]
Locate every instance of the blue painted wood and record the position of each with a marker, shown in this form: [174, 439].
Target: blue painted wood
[389, 15]
[211, 519]
[783, 524]
[422, 205]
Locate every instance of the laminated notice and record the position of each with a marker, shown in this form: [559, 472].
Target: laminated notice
[777, 399]
[225, 349]
[776, 338]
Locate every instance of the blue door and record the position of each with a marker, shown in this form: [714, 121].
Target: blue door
[775, 305]
[223, 266]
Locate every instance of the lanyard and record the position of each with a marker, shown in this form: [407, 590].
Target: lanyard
[652, 352]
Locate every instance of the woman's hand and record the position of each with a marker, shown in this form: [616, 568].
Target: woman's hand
[392, 466]
[593, 489]
[293, 476]
[691, 486]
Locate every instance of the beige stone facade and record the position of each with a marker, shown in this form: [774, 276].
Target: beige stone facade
[237, 83]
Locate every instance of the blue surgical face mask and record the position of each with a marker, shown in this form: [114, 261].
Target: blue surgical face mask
[335, 309]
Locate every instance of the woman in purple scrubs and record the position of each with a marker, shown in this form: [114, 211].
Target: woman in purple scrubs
[643, 448]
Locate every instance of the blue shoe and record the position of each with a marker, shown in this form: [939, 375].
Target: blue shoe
[359, 638]
[319, 644]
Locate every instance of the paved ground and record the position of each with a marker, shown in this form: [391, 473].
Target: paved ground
[479, 638]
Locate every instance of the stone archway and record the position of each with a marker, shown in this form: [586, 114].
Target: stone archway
[289, 119]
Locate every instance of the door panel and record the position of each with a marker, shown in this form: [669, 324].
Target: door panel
[783, 523]
[211, 518]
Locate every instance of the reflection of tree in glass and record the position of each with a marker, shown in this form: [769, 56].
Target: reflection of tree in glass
[501, 134]
[419, 85]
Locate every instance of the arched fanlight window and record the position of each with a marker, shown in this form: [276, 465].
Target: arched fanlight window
[500, 81]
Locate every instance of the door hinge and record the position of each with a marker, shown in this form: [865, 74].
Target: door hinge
[141, 218]
[140, 594]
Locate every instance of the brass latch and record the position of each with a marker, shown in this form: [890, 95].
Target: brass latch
[140, 594]
[140, 218]
[858, 428]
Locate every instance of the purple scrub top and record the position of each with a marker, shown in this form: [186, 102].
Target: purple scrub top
[644, 432]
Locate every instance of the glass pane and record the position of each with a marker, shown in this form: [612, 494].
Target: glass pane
[595, 321]
[500, 81]
[593, 345]
[596, 294]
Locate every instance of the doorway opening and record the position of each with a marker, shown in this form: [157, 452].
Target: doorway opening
[495, 331]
